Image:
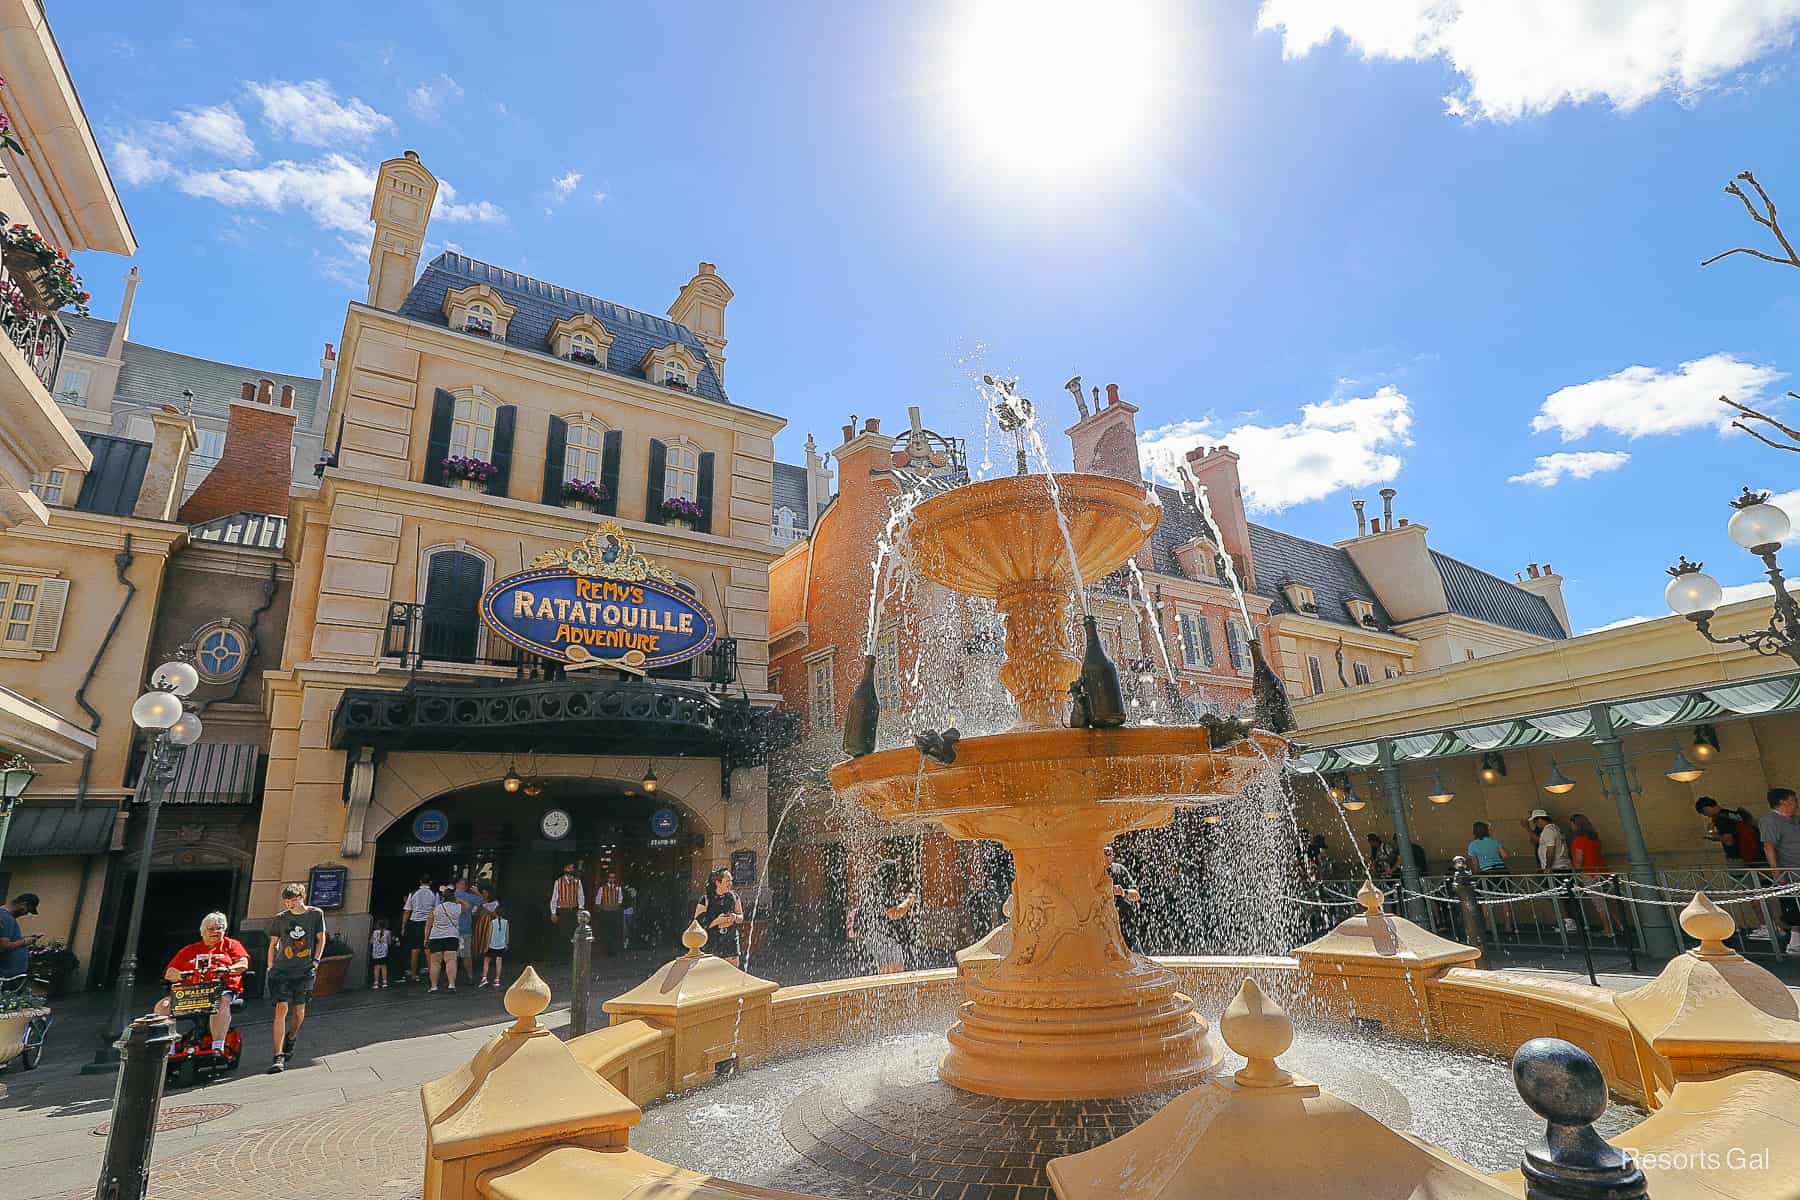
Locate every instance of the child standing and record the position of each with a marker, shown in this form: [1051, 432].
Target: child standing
[499, 934]
[380, 942]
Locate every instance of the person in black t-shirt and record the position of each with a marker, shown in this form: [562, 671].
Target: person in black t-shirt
[1126, 898]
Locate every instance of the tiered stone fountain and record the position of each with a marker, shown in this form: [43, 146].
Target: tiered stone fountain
[1069, 1012]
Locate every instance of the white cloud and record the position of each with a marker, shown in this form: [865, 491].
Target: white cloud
[599, 197]
[1520, 58]
[1552, 469]
[311, 113]
[1335, 444]
[217, 128]
[449, 208]
[334, 191]
[428, 99]
[136, 163]
[1640, 401]
[564, 185]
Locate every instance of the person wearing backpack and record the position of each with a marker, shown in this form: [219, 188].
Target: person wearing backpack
[499, 936]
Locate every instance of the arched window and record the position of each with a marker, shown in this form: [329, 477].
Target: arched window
[785, 532]
[472, 431]
[581, 451]
[480, 319]
[583, 348]
[681, 474]
[450, 625]
[674, 374]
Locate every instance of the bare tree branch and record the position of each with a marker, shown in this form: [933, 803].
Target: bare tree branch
[1764, 417]
[1759, 437]
[1768, 220]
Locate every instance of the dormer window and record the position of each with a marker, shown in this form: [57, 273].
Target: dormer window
[479, 320]
[1198, 559]
[1362, 612]
[580, 339]
[479, 310]
[1300, 598]
[786, 530]
[674, 365]
[583, 349]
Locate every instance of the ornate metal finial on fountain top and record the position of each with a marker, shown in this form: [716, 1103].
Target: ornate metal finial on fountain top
[694, 938]
[525, 999]
[1013, 411]
[1073, 387]
[1259, 1029]
[1563, 1085]
[1709, 925]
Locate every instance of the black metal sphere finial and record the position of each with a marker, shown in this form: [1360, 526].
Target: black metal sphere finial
[1562, 1084]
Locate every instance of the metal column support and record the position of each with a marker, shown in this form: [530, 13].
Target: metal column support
[1653, 919]
[1395, 792]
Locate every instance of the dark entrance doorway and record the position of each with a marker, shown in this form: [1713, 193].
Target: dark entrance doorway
[174, 902]
[487, 833]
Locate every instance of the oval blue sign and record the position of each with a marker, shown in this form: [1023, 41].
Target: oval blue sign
[430, 826]
[576, 618]
[664, 822]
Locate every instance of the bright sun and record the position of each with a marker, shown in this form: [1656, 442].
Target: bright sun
[1055, 83]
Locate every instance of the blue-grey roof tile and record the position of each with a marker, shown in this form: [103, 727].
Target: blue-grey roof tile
[1483, 597]
[1281, 558]
[540, 305]
[789, 492]
[112, 483]
[150, 377]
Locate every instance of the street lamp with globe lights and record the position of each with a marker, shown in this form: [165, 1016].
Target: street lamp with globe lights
[161, 714]
[1760, 528]
[15, 776]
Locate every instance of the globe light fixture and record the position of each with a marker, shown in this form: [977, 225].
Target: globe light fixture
[1683, 771]
[1352, 802]
[1558, 784]
[1759, 527]
[157, 710]
[1493, 766]
[186, 729]
[511, 782]
[1706, 744]
[649, 783]
[15, 776]
[1439, 794]
[176, 676]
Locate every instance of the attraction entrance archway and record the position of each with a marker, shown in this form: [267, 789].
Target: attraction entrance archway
[518, 842]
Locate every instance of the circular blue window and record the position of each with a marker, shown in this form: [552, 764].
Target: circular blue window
[221, 653]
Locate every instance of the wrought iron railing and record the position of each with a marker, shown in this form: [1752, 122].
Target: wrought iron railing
[40, 337]
[425, 637]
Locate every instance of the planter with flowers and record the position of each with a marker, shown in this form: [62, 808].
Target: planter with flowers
[584, 494]
[584, 356]
[469, 474]
[334, 968]
[51, 965]
[23, 1019]
[42, 271]
[681, 512]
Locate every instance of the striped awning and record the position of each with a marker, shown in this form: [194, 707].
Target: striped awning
[49, 829]
[213, 773]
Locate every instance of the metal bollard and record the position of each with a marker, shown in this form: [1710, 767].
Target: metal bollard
[143, 1062]
[1562, 1084]
[581, 958]
[1474, 933]
[1587, 945]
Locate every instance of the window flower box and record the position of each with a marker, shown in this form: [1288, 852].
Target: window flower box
[584, 356]
[469, 474]
[681, 512]
[584, 495]
[478, 326]
[42, 271]
[677, 383]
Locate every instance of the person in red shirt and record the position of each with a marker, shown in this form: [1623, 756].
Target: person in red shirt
[219, 953]
[1589, 861]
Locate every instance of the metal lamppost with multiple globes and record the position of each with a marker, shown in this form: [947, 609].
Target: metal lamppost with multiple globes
[1760, 528]
[15, 776]
[161, 714]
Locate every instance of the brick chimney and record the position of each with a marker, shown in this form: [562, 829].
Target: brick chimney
[253, 469]
[1105, 443]
[1217, 471]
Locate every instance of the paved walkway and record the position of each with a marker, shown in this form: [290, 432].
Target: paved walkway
[344, 1119]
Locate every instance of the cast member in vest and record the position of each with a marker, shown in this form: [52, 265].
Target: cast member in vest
[609, 899]
[567, 897]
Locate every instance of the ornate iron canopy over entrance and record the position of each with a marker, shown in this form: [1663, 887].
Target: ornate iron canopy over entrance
[588, 716]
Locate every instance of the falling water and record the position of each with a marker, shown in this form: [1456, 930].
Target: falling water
[1155, 618]
[1203, 506]
[1027, 416]
[899, 517]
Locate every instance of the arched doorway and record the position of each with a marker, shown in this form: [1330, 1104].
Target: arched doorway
[519, 841]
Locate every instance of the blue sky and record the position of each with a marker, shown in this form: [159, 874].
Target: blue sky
[1365, 245]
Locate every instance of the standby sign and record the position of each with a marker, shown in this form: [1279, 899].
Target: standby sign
[578, 618]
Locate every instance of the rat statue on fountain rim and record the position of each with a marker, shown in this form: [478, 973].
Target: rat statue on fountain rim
[1069, 1012]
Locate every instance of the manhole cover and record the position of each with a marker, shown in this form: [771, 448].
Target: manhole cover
[180, 1117]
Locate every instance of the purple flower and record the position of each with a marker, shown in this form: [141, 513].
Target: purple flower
[459, 466]
[585, 489]
[685, 509]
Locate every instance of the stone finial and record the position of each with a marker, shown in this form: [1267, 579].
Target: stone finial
[694, 938]
[1371, 898]
[1259, 1029]
[1709, 925]
[1562, 1084]
[525, 999]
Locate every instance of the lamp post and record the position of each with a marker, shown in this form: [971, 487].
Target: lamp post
[15, 776]
[160, 713]
[1760, 528]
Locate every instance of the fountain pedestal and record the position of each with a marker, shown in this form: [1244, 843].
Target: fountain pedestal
[1069, 1012]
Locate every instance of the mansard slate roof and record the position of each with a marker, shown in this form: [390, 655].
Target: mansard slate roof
[150, 377]
[113, 482]
[1476, 594]
[789, 492]
[1330, 572]
[540, 305]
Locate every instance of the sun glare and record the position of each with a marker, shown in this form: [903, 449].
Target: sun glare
[1055, 83]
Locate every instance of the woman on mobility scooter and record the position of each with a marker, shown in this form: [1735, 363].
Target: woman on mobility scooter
[206, 981]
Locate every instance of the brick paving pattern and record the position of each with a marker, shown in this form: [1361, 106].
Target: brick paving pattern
[932, 1140]
[180, 1116]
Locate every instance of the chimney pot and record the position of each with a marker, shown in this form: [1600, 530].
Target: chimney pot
[330, 351]
[1374, 524]
[249, 393]
[849, 431]
[1387, 506]
[1362, 521]
[411, 155]
[707, 268]
[1403, 522]
[1532, 570]
[287, 395]
[872, 425]
[1547, 569]
[1112, 394]
[265, 391]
